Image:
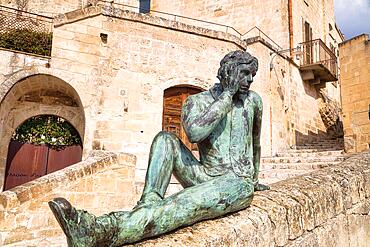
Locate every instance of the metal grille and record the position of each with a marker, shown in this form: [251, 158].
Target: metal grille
[24, 31]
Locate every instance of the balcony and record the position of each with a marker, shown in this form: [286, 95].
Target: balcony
[318, 62]
[25, 32]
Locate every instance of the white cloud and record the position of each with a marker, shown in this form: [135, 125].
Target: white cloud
[353, 16]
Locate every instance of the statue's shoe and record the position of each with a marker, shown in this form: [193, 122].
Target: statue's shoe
[77, 225]
[261, 187]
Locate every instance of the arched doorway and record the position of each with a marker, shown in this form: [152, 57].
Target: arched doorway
[39, 94]
[39, 146]
[174, 98]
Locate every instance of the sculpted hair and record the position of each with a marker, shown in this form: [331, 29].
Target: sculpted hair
[233, 60]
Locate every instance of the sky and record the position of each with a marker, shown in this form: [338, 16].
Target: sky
[352, 17]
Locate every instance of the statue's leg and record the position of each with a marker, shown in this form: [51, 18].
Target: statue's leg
[169, 155]
[217, 197]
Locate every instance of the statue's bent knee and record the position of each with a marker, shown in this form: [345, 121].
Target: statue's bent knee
[164, 135]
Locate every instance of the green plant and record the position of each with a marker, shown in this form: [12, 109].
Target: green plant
[27, 41]
[50, 130]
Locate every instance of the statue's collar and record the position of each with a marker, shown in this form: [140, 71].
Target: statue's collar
[217, 89]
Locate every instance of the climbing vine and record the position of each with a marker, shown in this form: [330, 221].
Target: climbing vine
[27, 41]
[50, 130]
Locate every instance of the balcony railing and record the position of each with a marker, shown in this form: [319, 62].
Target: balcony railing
[319, 59]
[24, 31]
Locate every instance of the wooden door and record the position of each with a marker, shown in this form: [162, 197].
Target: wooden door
[26, 162]
[174, 98]
[59, 159]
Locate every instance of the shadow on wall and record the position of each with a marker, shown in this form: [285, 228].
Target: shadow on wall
[301, 139]
[312, 89]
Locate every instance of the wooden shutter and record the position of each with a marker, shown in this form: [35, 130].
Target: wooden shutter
[174, 98]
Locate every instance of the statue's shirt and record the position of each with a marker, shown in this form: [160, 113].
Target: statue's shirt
[229, 144]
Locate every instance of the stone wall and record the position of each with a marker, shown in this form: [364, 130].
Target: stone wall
[32, 96]
[355, 79]
[142, 57]
[101, 183]
[54, 7]
[271, 16]
[120, 81]
[329, 208]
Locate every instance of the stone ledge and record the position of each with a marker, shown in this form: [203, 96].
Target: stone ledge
[110, 11]
[294, 212]
[96, 162]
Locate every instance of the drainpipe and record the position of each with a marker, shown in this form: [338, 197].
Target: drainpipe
[290, 24]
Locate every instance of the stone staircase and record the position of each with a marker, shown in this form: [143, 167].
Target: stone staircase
[301, 159]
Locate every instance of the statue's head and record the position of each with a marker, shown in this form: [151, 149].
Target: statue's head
[242, 60]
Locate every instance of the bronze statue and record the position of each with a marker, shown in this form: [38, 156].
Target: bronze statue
[225, 122]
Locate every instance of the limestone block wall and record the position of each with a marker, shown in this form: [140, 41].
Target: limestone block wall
[14, 61]
[291, 106]
[55, 7]
[329, 208]
[101, 183]
[355, 79]
[142, 57]
[271, 16]
[321, 17]
[119, 63]
[45, 7]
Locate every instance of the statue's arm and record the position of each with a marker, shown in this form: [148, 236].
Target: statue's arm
[257, 125]
[199, 120]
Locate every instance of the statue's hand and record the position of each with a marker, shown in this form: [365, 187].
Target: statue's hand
[232, 83]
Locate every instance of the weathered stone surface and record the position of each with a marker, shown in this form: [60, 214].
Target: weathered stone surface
[138, 52]
[355, 75]
[328, 222]
[24, 212]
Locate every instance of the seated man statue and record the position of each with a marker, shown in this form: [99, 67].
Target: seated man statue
[225, 122]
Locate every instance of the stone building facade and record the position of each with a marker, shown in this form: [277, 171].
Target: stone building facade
[355, 80]
[116, 64]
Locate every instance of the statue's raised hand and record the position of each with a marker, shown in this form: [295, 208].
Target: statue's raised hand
[231, 83]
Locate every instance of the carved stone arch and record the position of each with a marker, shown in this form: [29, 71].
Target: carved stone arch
[32, 95]
[189, 81]
[22, 74]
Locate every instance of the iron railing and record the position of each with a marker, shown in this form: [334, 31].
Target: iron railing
[257, 32]
[316, 52]
[25, 31]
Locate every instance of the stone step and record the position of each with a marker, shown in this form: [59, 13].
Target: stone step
[299, 159]
[338, 140]
[318, 147]
[310, 154]
[312, 150]
[57, 241]
[269, 180]
[281, 174]
[297, 166]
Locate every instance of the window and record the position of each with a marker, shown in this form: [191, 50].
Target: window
[307, 37]
[144, 6]
[330, 27]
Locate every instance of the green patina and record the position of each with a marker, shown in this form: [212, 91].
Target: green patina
[225, 122]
